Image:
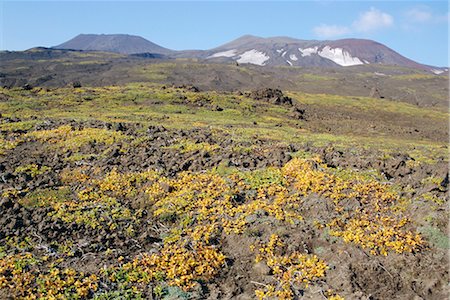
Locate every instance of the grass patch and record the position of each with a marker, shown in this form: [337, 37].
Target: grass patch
[369, 104]
[413, 76]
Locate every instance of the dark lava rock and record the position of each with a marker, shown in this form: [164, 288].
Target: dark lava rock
[274, 96]
[444, 182]
[297, 113]
[190, 88]
[27, 87]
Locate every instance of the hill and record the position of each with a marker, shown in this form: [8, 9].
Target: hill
[119, 43]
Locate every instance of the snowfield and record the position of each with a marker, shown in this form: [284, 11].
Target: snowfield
[253, 57]
[308, 51]
[339, 56]
[229, 53]
[437, 72]
[293, 57]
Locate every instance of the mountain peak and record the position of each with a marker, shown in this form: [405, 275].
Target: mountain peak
[120, 43]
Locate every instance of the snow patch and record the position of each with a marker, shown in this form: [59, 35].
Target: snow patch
[253, 57]
[289, 62]
[293, 57]
[229, 53]
[366, 62]
[437, 72]
[283, 54]
[308, 51]
[380, 74]
[339, 56]
[280, 50]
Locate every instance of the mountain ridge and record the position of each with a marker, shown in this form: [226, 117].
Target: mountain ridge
[263, 51]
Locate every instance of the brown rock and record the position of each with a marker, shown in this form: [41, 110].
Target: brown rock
[261, 268]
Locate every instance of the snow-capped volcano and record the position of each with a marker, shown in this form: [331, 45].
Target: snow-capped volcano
[276, 51]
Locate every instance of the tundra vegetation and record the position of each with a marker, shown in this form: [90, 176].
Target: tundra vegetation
[151, 191]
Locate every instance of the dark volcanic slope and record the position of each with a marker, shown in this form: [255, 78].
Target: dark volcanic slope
[120, 43]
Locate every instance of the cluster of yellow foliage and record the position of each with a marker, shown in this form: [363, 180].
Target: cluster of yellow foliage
[125, 185]
[206, 204]
[21, 276]
[290, 270]
[211, 203]
[67, 138]
[207, 198]
[374, 224]
[75, 176]
[176, 264]
[377, 233]
[335, 297]
[200, 207]
[102, 201]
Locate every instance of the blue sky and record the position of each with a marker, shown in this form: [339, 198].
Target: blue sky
[415, 29]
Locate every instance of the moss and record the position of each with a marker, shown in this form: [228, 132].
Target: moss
[18, 126]
[32, 169]
[436, 237]
[263, 178]
[46, 197]
[8, 144]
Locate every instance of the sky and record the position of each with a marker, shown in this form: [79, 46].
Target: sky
[415, 29]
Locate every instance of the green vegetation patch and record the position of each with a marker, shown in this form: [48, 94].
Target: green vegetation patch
[46, 197]
[369, 104]
[185, 146]
[414, 76]
[67, 138]
[18, 126]
[436, 237]
[32, 169]
[7, 144]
